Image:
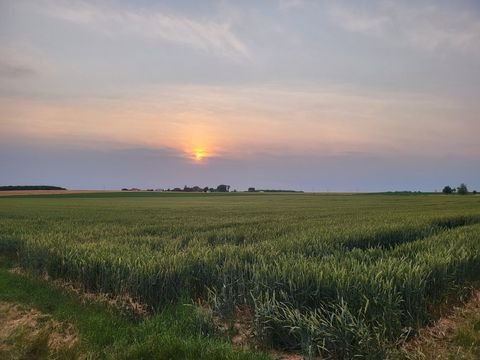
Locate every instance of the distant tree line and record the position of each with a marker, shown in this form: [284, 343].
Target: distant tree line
[219, 188]
[460, 190]
[30, 187]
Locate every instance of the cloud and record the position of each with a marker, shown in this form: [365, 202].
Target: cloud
[15, 65]
[289, 4]
[212, 36]
[240, 121]
[15, 71]
[428, 25]
[356, 21]
[80, 168]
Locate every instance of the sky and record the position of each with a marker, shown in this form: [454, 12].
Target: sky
[286, 94]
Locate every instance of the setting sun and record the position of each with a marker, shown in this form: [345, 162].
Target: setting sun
[199, 154]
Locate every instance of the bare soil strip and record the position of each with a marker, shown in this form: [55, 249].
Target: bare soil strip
[52, 192]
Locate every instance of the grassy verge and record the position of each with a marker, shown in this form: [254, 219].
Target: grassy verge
[178, 332]
[455, 336]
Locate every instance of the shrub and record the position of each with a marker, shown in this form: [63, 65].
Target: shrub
[462, 189]
[447, 190]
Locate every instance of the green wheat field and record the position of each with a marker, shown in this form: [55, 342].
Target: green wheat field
[326, 275]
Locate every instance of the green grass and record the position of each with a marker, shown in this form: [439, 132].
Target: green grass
[340, 275]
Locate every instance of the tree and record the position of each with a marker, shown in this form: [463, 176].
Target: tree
[223, 188]
[251, 189]
[447, 190]
[462, 189]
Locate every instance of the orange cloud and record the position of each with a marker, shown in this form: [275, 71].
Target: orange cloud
[238, 122]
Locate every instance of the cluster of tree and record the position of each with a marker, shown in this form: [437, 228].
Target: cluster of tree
[461, 190]
[219, 188]
[30, 187]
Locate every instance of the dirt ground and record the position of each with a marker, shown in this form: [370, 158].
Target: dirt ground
[49, 192]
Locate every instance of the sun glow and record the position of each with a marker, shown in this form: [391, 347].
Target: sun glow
[199, 155]
[198, 142]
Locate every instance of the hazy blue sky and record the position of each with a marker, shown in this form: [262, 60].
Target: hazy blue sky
[313, 95]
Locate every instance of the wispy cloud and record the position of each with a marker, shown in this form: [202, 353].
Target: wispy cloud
[427, 25]
[213, 36]
[289, 4]
[15, 65]
[356, 21]
[14, 70]
[244, 120]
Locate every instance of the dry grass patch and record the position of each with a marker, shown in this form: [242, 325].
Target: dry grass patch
[456, 336]
[29, 334]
